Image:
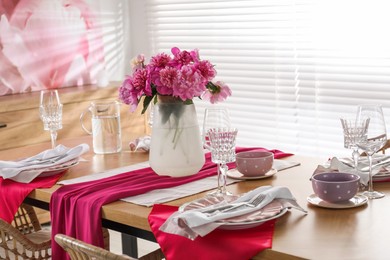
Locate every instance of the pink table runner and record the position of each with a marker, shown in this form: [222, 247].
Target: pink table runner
[76, 209]
[13, 193]
[219, 244]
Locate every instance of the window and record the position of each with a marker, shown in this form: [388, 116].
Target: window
[294, 66]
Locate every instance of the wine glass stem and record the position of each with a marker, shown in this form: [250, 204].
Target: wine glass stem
[53, 135]
[370, 186]
[223, 170]
[355, 156]
[219, 178]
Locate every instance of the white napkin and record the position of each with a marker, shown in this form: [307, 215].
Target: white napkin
[140, 144]
[336, 165]
[28, 169]
[192, 223]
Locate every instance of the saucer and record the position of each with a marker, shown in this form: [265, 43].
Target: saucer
[235, 174]
[356, 201]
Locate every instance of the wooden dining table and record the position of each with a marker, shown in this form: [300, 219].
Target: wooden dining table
[354, 233]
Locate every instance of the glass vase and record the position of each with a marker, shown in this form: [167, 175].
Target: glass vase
[176, 147]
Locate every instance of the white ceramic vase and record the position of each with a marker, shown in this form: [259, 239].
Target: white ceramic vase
[176, 147]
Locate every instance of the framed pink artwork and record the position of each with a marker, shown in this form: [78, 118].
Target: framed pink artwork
[46, 44]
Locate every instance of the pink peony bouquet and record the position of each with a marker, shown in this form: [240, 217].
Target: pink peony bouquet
[183, 75]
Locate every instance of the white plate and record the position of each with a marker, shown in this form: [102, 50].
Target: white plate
[356, 201]
[56, 169]
[250, 224]
[381, 176]
[249, 220]
[235, 174]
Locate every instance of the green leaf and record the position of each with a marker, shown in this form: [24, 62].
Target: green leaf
[147, 101]
[188, 102]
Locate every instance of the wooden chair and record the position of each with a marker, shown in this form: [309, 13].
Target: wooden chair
[24, 238]
[385, 147]
[79, 250]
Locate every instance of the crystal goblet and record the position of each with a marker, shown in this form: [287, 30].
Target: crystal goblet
[376, 139]
[222, 145]
[50, 111]
[354, 132]
[215, 117]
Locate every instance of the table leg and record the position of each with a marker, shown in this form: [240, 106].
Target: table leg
[129, 245]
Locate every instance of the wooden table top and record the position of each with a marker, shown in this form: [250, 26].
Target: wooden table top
[355, 233]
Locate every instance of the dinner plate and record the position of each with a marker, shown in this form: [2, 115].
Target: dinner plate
[56, 169]
[235, 174]
[356, 201]
[273, 210]
[382, 175]
[249, 224]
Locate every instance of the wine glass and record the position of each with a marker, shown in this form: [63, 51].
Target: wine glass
[354, 132]
[50, 111]
[222, 145]
[376, 139]
[214, 118]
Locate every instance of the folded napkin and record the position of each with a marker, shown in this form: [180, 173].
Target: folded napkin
[76, 209]
[196, 222]
[346, 165]
[28, 169]
[220, 244]
[141, 144]
[12, 194]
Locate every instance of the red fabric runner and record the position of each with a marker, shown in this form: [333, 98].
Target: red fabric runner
[219, 244]
[13, 193]
[76, 209]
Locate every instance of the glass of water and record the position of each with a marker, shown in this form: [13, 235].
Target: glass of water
[50, 112]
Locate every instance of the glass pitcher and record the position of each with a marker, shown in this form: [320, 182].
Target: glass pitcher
[106, 126]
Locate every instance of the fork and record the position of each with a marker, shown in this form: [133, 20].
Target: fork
[253, 202]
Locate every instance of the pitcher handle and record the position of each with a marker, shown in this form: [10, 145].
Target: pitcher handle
[82, 120]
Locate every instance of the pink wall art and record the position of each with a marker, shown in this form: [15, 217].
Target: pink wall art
[47, 44]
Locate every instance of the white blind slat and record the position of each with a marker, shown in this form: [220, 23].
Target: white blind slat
[293, 71]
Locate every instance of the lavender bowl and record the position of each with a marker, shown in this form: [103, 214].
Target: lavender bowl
[254, 163]
[335, 186]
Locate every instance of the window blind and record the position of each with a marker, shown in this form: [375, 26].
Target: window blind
[294, 67]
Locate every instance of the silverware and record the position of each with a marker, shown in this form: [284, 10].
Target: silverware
[219, 209]
[375, 163]
[254, 202]
[366, 168]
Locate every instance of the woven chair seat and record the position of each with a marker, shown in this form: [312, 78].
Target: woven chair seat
[79, 250]
[24, 238]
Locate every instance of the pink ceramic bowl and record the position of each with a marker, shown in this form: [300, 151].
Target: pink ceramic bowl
[335, 186]
[254, 163]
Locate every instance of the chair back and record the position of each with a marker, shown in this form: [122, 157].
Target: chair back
[79, 250]
[24, 238]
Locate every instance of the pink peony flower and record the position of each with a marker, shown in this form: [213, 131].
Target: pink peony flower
[137, 62]
[168, 78]
[191, 83]
[206, 69]
[181, 58]
[160, 61]
[134, 87]
[184, 76]
[127, 96]
[218, 92]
